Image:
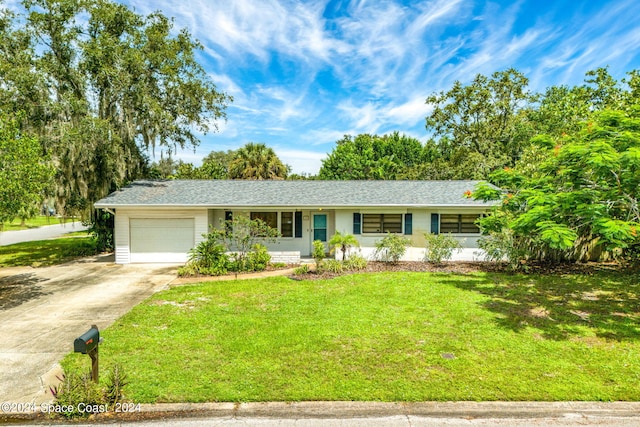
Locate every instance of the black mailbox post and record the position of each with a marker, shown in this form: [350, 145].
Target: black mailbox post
[88, 343]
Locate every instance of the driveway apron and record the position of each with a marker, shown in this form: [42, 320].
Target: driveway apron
[43, 310]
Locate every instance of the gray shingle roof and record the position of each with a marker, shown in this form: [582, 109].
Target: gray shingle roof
[299, 194]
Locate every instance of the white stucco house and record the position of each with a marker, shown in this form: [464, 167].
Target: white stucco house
[160, 221]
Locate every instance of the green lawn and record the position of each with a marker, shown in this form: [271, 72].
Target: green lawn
[386, 336]
[37, 221]
[47, 252]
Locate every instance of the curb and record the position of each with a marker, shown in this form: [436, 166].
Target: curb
[341, 409]
[354, 410]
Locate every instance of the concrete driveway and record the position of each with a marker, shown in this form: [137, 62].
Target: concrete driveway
[42, 310]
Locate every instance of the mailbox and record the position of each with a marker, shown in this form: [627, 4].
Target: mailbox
[88, 341]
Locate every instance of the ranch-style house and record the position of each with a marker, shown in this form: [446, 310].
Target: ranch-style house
[160, 221]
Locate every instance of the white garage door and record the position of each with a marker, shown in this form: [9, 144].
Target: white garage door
[160, 239]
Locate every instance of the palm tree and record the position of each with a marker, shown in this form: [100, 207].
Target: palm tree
[256, 161]
[344, 242]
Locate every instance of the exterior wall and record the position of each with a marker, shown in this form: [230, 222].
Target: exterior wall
[287, 257]
[122, 233]
[284, 249]
[301, 245]
[421, 224]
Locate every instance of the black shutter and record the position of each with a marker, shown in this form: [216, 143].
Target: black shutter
[435, 223]
[357, 223]
[408, 223]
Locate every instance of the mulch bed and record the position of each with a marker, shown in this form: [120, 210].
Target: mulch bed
[466, 267]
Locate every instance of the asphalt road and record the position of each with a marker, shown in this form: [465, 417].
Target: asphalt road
[40, 233]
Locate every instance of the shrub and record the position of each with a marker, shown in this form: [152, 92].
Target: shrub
[278, 264]
[116, 382]
[76, 389]
[391, 247]
[241, 234]
[208, 257]
[333, 266]
[355, 262]
[631, 255]
[440, 247]
[502, 246]
[258, 258]
[318, 254]
[343, 242]
[318, 251]
[101, 228]
[303, 269]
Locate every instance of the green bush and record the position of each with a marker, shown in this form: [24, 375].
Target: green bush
[342, 242]
[117, 381]
[502, 246]
[187, 270]
[101, 228]
[355, 262]
[318, 251]
[333, 266]
[631, 255]
[258, 258]
[303, 269]
[440, 247]
[278, 264]
[208, 258]
[391, 247]
[76, 389]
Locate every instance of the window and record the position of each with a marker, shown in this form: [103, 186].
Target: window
[228, 218]
[270, 218]
[290, 222]
[286, 224]
[456, 223]
[382, 223]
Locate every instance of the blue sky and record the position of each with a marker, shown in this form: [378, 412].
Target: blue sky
[305, 73]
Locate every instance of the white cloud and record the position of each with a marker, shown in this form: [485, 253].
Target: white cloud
[409, 113]
[301, 76]
[301, 161]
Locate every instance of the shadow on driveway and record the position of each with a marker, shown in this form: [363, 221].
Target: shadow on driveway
[18, 289]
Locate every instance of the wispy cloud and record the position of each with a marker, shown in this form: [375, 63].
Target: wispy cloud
[304, 73]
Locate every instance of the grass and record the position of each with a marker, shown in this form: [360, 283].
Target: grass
[35, 222]
[47, 252]
[383, 337]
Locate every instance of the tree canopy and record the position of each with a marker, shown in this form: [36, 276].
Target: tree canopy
[256, 161]
[24, 174]
[101, 85]
[372, 157]
[581, 200]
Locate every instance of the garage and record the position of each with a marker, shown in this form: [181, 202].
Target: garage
[161, 239]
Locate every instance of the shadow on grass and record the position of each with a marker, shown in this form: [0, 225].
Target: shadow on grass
[563, 306]
[46, 252]
[18, 289]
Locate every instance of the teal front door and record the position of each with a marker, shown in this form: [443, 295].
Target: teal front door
[320, 227]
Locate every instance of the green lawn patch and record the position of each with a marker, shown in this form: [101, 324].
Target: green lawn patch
[383, 337]
[35, 222]
[47, 252]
